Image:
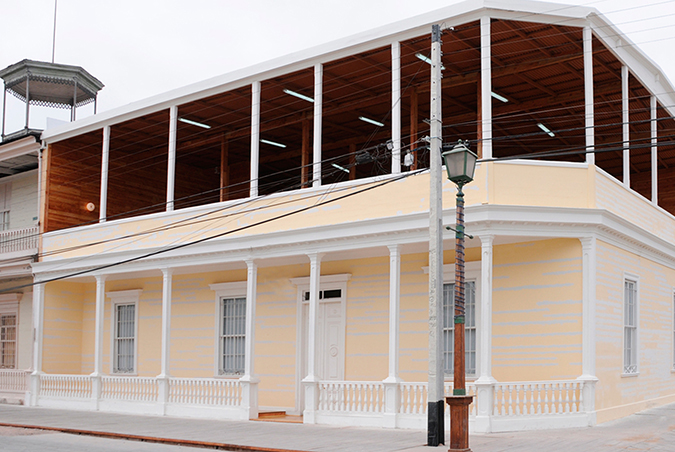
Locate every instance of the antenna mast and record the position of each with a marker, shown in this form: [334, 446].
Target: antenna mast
[54, 34]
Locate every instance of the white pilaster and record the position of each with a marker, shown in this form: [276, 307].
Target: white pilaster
[163, 377]
[391, 383]
[396, 107]
[625, 115]
[655, 150]
[248, 380]
[255, 138]
[588, 95]
[485, 382]
[311, 381]
[38, 326]
[171, 170]
[318, 112]
[486, 85]
[98, 339]
[105, 158]
[589, 269]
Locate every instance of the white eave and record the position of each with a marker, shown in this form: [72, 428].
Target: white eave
[525, 10]
[19, 147]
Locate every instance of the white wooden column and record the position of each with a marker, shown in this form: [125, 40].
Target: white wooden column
[625, 115]
[171, 170]
[98, 339]
[391, 383]
[486, 86]
[655, 150]
[38, 327]
[318, 112]
[485, 382]
[588, 95]
[396, 107]
[249, 381]
[163, 377]
[311, 381]
[105, 158]
[255, 138]
[589, 269]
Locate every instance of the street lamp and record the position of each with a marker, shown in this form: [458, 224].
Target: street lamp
[460, 164]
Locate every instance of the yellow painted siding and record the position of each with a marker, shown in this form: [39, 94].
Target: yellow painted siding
[512, 184]
[618, 396]
[62, 343]
[537, 307]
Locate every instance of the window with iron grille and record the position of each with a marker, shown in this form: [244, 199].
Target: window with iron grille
[232, 336]
[124, 358]
[469, 327]
[8, 341]
[630, 323]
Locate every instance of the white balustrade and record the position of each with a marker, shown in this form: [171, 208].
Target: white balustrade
[351, 396]
[205, 391]
[538, 398]
[133, 389]
[413, 398]
[19, 240]
[65, 386]
[13, 380]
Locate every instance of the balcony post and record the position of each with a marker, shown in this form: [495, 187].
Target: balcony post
[318, 112]
[589, 109]
[38, 327]
[98, 340]
[249, 382]
[486, 382]
[392, 397]
[396, 107]
[486, 87]
[625, 115]
[311, 382]
[588, 378]
[255, 138]
[163, 377]
[105, 158]
[171, 167]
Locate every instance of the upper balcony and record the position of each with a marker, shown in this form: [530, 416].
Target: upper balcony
[224, 154]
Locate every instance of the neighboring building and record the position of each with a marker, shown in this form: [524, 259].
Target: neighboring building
[251, 243]
[46, 85]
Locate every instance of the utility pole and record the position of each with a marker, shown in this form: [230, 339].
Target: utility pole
[436, 396]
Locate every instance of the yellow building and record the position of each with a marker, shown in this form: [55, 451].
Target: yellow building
[259, 242]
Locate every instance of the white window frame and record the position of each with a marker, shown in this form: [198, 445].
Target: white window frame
[9, 306]
[472, 273]
[5, 206]
[672, 316]
[632, 368]
[123, 297]
[227, 290]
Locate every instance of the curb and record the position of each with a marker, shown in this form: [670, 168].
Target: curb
[153, 439]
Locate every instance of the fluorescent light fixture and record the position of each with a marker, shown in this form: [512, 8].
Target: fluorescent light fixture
[426, 59]
[194, 123]
[371, 121]
[298, 95]
[499, 97]
[273, 143]
[546, 129]
[342, 168]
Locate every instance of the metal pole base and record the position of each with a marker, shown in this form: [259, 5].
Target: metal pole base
[436, 423]
[459, 422]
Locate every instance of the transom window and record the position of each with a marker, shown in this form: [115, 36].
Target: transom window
[232, 336]
[125, 338]
[7, 341]
[469, 327]
[630, 323]
[324, 294]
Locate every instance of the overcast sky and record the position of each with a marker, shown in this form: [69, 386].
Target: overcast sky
[139, 48]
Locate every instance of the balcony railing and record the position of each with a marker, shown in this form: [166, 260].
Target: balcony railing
[15, 240]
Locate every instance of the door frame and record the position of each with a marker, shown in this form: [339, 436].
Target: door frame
[326, 282]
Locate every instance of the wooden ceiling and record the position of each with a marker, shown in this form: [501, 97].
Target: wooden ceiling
[537, 67]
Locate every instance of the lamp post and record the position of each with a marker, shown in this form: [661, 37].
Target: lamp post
[460, 164]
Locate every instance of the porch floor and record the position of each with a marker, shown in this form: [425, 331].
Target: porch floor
[652, 429]
[279, 416]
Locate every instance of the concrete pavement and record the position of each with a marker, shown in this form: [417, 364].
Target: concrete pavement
[650, 430]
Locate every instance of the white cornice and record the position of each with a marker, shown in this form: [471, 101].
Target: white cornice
[19, 147]
[506, 221]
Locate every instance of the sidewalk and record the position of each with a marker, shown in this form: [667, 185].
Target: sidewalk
[651, 430]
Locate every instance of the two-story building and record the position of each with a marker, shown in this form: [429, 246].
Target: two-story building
[258, 242]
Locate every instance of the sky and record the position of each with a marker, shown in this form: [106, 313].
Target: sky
[140, 48]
